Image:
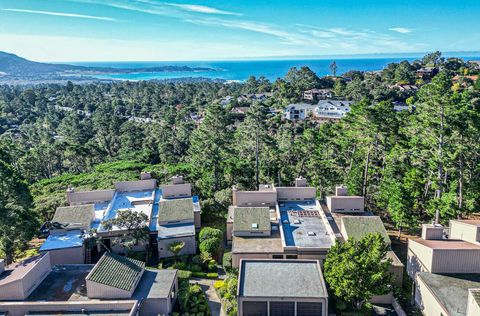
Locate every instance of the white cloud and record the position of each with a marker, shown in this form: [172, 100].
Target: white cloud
[402, 30]
[70, 15]
[201, 9]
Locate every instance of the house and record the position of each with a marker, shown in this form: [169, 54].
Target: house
[318, 94]
[116, 285]
[324, 110]
[341, 202]
[408, 88]
[331, 110]
[278, 223]
[254, 97]
[281, 287]
[172, 213]
[426, 73]
[445, 266]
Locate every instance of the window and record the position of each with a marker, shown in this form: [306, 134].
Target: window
[292, 257]
[254, 308]
[282, 309]
[309, 309]
[277, 256]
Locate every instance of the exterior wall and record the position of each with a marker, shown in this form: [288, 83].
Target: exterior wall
[456, 261]
[97, 290]
[294, 193]
[189, 249]
[229, 231]
[241, 233]
[382, 299]
[463, 231]
[473, 309]
[197, 220]
[432, 232]
[67, 256]
[324, 302]
[426, 301]
[138, 185]
[176, 190]
[419, 258]
[236, 257]
[23, 308]
[397, 271]
[346, 204]
[254, 198]
[160, 306]
[89, 196]
[117, 248]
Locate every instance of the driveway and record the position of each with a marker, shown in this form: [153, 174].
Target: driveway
[211, 295]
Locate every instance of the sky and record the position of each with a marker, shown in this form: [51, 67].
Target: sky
[154, 30]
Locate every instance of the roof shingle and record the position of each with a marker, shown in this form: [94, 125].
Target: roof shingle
[175, 210]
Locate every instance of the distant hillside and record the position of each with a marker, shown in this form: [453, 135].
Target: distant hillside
[12, 65]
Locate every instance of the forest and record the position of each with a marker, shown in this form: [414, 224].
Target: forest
[409, 164]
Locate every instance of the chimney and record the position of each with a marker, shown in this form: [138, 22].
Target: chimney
[145, 175]
[300, 182]
[341, 190]
[70, 193]
[234, 195]
[177, 179]
[432, 231]
[2, 266]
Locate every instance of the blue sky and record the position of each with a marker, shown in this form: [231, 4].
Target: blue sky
[136, 30]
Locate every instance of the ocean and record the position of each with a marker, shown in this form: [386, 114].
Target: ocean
[242, 70]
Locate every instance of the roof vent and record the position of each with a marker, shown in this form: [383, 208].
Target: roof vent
[297, 221]
[255, 225]
[311, 234]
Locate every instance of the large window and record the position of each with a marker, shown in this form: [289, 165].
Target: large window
[309, 309]
[282, 308]
[253, 308]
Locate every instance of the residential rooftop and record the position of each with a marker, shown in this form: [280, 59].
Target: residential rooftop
[451, 289]
[17, 271]
[447, 244]
[281, 278]
[68, 239]
[74, 217]
[262, 244]
[117, 271]
[358, 227]
[251, 219]
[303, 226]
[176, 210]
[175, 230]
[155, 284]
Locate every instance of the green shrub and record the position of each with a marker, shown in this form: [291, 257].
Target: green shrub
[210, 233]
[184, 274]
[212, 275]
[210, 246]
[197, 259]
[195, 268]
[212, 265]
[227, 261]
[199, 274]
[180, 265]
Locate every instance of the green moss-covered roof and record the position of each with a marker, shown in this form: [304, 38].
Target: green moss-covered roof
[77, 216]
[175, 210]
[358, 227]
[117, 271]
[244, 217]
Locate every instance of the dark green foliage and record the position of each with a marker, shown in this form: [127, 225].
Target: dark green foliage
[358, 270]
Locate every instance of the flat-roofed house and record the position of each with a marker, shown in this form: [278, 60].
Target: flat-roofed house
[157, 290]
[281, 287]
[114, 277]
[176, 223]
[278, 223]
[341, 202]
[445, 269]
[357, 227]
[20, 279]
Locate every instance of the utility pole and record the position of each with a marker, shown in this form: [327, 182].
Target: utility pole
[256, 161]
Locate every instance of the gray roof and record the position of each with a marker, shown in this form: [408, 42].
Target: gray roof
[358, 227]
[245, 217]
[176, 230]
[117, 271]
[175, 210]
[281, 278]
[451, 290]
[155, 284]
[77, 216]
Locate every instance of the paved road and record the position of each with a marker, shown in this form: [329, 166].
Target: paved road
[211, 295]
